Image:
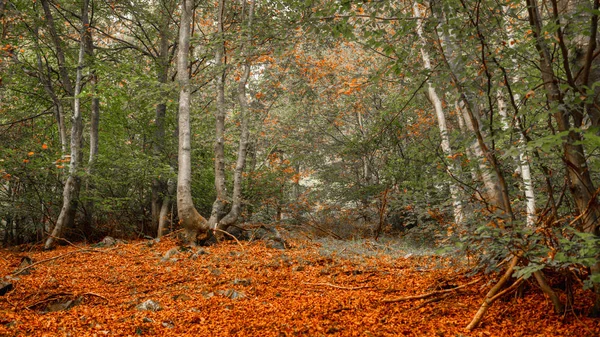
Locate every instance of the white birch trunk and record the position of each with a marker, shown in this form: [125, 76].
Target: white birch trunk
[441, 119]
[523, 159]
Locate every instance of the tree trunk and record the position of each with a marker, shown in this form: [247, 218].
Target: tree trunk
[159, 185]
[59, 113]
[60, 55]
[164, 209]
[220, 63]
[72, 186]
[578, 174]
[236, 204]
[193, 223]
[94, 126]
[441, 119]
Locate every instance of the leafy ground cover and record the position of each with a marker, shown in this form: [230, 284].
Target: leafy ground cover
[314, 288]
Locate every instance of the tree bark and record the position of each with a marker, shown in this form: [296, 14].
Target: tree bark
[159, 185]
[72, 186]
[219, 147]
[94, 129]
[164, 209]
[578, 174]
[193, 223]
[441, 119]
[60, 55]
[236, 203]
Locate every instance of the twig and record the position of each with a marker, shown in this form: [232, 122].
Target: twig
[52, 259]
[172, 233]
[96, 295]
[336, 286]
[507, 290]
[236, 240]
[437, 292]
[65, 240]
[431, 300]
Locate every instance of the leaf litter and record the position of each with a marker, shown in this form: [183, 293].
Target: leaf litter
[227, 289]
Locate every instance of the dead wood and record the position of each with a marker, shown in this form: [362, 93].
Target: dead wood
[493, 294]
[231, 235]
[83, 250]
[431, 300]
[336, 286]
[433, 293]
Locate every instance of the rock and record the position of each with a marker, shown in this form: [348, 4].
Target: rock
[215, 271]
[275, 244]
[5, 287]
[198, 253]
[169, 254]
[232, 294]
[207, 294]
[243, 282]
[147, 320]
[168, 324]
[108, 241]
[26, 261]
[238, 232]
[181, 297]
[60, 306]
[149, 305]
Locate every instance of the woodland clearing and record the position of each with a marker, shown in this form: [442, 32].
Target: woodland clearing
[313, 288]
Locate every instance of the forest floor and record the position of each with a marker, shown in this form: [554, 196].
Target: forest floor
[314, 288]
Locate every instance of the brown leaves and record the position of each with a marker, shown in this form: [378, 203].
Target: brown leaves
[256, 291]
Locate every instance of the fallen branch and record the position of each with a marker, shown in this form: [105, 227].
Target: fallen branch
[493, 294]
[96, 295]
[431, 300]
[18, 271]
[336, 286]
[236, 240]
[433, 293]
[63, 296]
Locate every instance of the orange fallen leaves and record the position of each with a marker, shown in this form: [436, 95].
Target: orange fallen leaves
[299, 291]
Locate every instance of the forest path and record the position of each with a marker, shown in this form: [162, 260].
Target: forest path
[315, 288]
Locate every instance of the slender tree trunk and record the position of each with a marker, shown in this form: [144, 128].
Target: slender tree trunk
[578, 174]
[441, 119]
[164, 209]
[159, 185]
[60, 55]
[49, 89]
[236, 205]
[72, 186]
[523, 167]
[220, 63]
[523, 160]
[94, 127]
[190, 219]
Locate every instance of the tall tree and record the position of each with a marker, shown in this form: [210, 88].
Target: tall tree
[193, 223]
[567, 117]
[219, 146]
[245, 57]
[73, 183]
